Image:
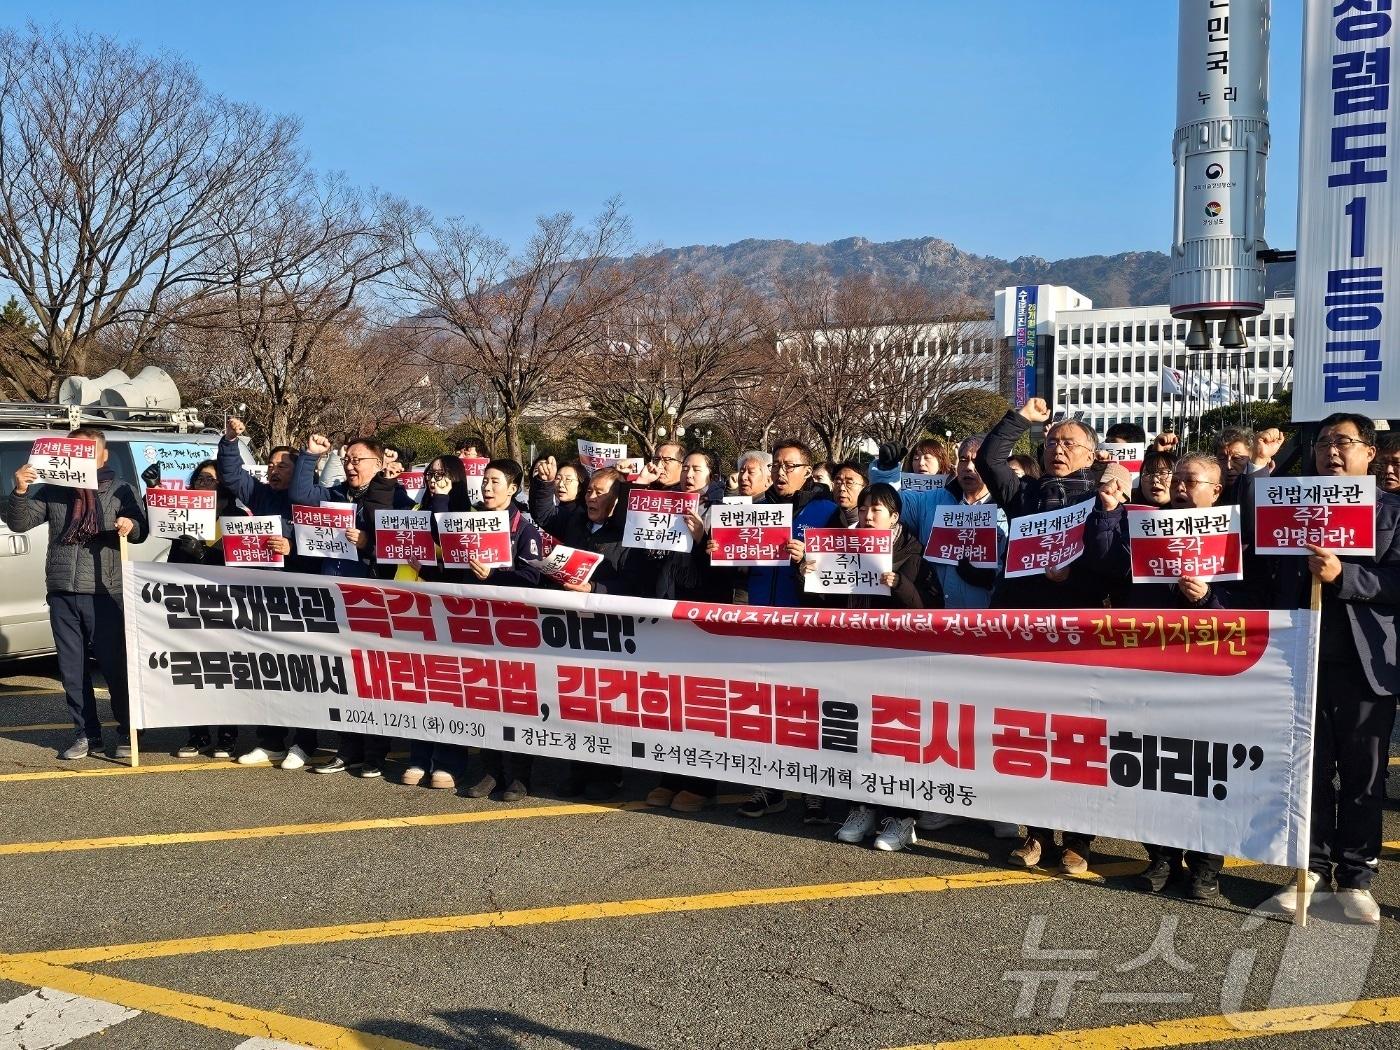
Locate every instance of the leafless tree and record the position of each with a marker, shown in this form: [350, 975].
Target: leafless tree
[687, 347]
[119, 176]
[516, 326]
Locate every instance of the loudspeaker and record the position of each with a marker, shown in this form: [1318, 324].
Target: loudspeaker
[151, 387]
[80, 390]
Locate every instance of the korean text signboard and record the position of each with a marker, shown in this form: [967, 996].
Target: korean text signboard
[1190, 728]
[403, 536]
[248, 541]
[595, 455]
[1129, 454]
[751, 534]
[482, 536]
[1049, 540]
[173, 513]
[1335, 513]
[320, 531]
[1200, 544]
[848, 561]
[922, 482]
[1348, 293]
[69, 463]
[656, 520]
[964, 531]
[564, 564]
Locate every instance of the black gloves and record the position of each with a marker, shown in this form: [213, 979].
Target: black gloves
[891, 456]
[151, 476]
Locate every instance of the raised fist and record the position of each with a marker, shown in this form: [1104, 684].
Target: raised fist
[233, 428]
[1035, 411]
[318, 444]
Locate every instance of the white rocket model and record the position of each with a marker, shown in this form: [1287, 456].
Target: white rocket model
[1219, 150]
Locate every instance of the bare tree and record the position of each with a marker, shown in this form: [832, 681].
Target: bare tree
[517, 326]
[301, 277]
[688, 347]
[119, 174]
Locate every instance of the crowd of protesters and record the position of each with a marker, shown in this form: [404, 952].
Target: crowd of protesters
[1358, 680]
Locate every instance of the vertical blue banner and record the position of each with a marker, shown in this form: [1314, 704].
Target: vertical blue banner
[1026, 303]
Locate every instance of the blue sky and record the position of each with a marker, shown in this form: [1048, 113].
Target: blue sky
[1008, 127]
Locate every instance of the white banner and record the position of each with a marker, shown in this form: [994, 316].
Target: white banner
[320, 531]
[656, 520]
[248, 540]
[847, 561]
[1187, 728]
[1347, 326]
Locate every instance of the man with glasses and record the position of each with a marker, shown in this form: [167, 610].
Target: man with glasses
[666, 466]
[780, 585]
[1067, 479]
[369, 490]
[1358, 678]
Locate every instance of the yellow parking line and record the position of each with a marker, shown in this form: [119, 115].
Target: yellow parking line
[238, 942]
[197, 1009]
[430, 820]
[1185, 1031]
[121, 771]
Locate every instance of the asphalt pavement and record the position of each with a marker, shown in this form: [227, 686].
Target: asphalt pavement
[202, 904]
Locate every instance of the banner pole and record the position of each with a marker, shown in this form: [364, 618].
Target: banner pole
[1300, 913]
[130, 723]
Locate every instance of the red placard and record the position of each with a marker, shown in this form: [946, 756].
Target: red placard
[251, 551]
[481, 536]
[1049, 540]
[1335, 513]
[963, 530]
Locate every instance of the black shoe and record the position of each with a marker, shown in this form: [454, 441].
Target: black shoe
[1156, 876]
[814, 810]
[369, 770]
[335, 765]
[1203, 886]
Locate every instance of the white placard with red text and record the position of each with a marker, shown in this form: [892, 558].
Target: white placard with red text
[1049, 540]
[596, 455]
[482, 536]
[964, 531]
[1203, 544]
[173, 513]
[403, 536]
[656, 520]
[750, 534]
[922, 482]
[847, 561]
[247, 541]
[413, 483]
[69, 463]
[1190, 728]
[1130, 454]
[320, 531]
[564, 564]
[1337, 514]
[475, 466]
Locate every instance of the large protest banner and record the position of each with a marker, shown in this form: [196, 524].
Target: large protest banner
[1187, 728]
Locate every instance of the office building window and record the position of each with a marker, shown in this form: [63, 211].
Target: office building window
[1279, 326]
[1113, 334]
[1063, 339]
[1278, 358]
[1142, 333]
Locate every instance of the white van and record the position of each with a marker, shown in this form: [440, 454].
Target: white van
[176, 439]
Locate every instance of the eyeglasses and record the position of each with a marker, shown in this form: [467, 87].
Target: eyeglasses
[845, 481]
[435, 475]
[1190, 482]
[780, 466]
[362, 459]
[1159, 474]
[1340, 443]
[1064, 443]
[664, 459]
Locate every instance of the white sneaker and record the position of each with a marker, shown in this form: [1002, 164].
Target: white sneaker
[1286, 899]
[1002, 830]
[295, 758]
[860, 822]
[1359, 906]
[898, 834]
[259, 755]
[934, 821]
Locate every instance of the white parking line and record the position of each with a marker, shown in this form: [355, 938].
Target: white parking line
[46, 1019]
